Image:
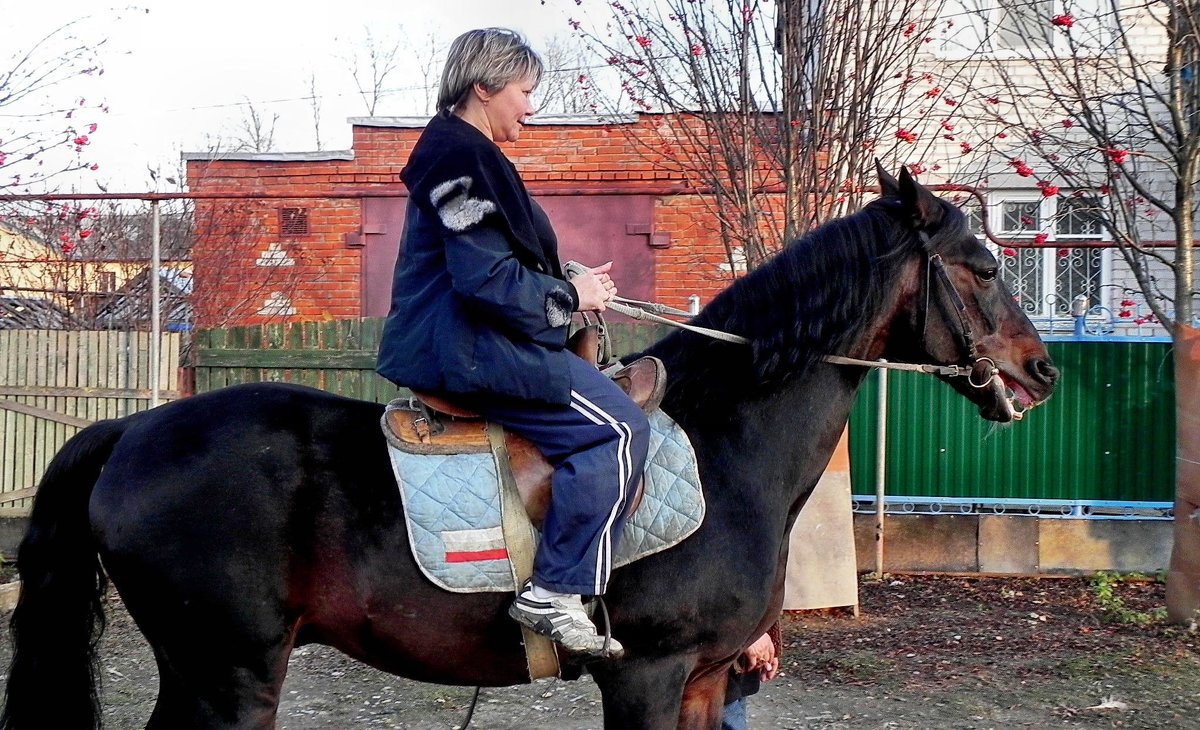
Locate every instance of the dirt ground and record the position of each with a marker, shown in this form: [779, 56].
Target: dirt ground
[925, 652]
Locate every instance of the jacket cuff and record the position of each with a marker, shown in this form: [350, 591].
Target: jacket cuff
[574, 296]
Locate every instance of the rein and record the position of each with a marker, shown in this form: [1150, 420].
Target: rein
[650, 311]
[643, 310]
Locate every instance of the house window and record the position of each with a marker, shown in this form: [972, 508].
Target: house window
[293, 222]
[1024, 28]
[1044, 280]
[1021, 26]
[974, 214]
[1078, 270]
[106, 281]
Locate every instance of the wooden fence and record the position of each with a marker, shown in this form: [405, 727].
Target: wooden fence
[337, 356]
[55, 382]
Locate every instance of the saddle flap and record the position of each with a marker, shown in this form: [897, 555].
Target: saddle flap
[452, 506]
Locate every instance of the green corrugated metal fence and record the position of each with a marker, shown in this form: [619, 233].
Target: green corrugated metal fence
[1107, 434]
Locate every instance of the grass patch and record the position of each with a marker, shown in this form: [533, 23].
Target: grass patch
[1105, 588]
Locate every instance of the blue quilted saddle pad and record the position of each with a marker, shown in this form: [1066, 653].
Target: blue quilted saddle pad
[452, 507]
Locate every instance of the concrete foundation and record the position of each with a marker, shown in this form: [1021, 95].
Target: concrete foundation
[1014, 544]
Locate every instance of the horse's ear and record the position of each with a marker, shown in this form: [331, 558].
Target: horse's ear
[924, 208]
[887, 184]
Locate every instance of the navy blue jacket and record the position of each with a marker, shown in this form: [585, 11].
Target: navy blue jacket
[479, 302]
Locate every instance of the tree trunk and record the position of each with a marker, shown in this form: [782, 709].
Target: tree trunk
[1183, 580]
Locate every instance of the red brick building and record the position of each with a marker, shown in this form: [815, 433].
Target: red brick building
[315, 235]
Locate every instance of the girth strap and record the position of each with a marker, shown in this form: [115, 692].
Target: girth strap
[519, 540]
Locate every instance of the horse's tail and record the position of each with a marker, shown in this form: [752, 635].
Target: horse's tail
[59, 617]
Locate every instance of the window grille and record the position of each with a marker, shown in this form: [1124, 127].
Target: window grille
[1045, 279]
[1021, 217]
[1077, 218]
[970, 208]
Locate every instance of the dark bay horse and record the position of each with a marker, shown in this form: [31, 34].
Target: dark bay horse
[241, 523]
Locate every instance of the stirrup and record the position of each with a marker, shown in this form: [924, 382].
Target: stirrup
[564, 621]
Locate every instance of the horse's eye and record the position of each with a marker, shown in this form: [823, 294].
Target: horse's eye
[987, 275]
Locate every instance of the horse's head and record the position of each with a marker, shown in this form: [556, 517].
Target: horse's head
[962, 313]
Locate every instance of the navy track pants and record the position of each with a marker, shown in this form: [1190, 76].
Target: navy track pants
[597, 445]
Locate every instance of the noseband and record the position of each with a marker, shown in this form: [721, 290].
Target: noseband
[983, 367]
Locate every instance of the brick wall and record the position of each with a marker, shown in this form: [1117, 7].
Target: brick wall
[247, 271]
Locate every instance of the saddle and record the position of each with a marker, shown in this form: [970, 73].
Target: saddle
[434, 425]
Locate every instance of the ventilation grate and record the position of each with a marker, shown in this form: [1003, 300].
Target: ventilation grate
[293, 221]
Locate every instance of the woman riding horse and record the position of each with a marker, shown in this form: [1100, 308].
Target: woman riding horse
[241, 523]
[481, 313]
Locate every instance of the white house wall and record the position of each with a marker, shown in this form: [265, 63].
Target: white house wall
[959, 140]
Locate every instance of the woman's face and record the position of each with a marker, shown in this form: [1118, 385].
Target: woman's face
[508, 108]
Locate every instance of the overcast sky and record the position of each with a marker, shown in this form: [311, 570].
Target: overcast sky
[177, 73]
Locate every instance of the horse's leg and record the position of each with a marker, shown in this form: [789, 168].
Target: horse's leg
[221, 662]
[641, 694]
[210, 687]
[704, 701]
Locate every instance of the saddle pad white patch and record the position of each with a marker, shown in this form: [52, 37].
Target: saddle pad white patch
[452, 508]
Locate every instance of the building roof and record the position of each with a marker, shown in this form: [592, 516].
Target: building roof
[31, 313]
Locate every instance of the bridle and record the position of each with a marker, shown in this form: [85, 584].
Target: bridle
[935, 270]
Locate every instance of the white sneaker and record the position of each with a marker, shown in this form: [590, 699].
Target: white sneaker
[563, 619]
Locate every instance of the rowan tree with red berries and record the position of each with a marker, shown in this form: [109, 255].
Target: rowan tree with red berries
[1101, 104]
[771, 106]
[1115, 116]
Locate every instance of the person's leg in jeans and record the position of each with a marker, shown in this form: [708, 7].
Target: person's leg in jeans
[735, 716]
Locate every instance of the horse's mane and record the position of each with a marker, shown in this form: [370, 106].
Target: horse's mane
[811, 299]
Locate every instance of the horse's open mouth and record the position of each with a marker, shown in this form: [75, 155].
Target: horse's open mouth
[1012, 399]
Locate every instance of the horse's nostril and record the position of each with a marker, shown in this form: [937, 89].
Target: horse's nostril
[1044, 371]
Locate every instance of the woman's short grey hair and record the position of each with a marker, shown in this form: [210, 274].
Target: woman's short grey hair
[491, 57]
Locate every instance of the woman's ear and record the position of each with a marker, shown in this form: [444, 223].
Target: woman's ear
[481, 92]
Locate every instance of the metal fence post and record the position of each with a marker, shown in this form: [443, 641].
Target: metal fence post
[880, 468]
[155, 324]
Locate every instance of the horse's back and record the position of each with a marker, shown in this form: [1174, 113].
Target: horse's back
[230, 447]
[232, 492]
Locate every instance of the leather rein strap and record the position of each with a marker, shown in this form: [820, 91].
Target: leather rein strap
[540, 654]
[632, 308]
[649, 311]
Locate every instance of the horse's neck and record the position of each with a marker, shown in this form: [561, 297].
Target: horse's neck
[767, 451]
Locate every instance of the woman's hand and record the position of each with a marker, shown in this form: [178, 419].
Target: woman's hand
[595, 288]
